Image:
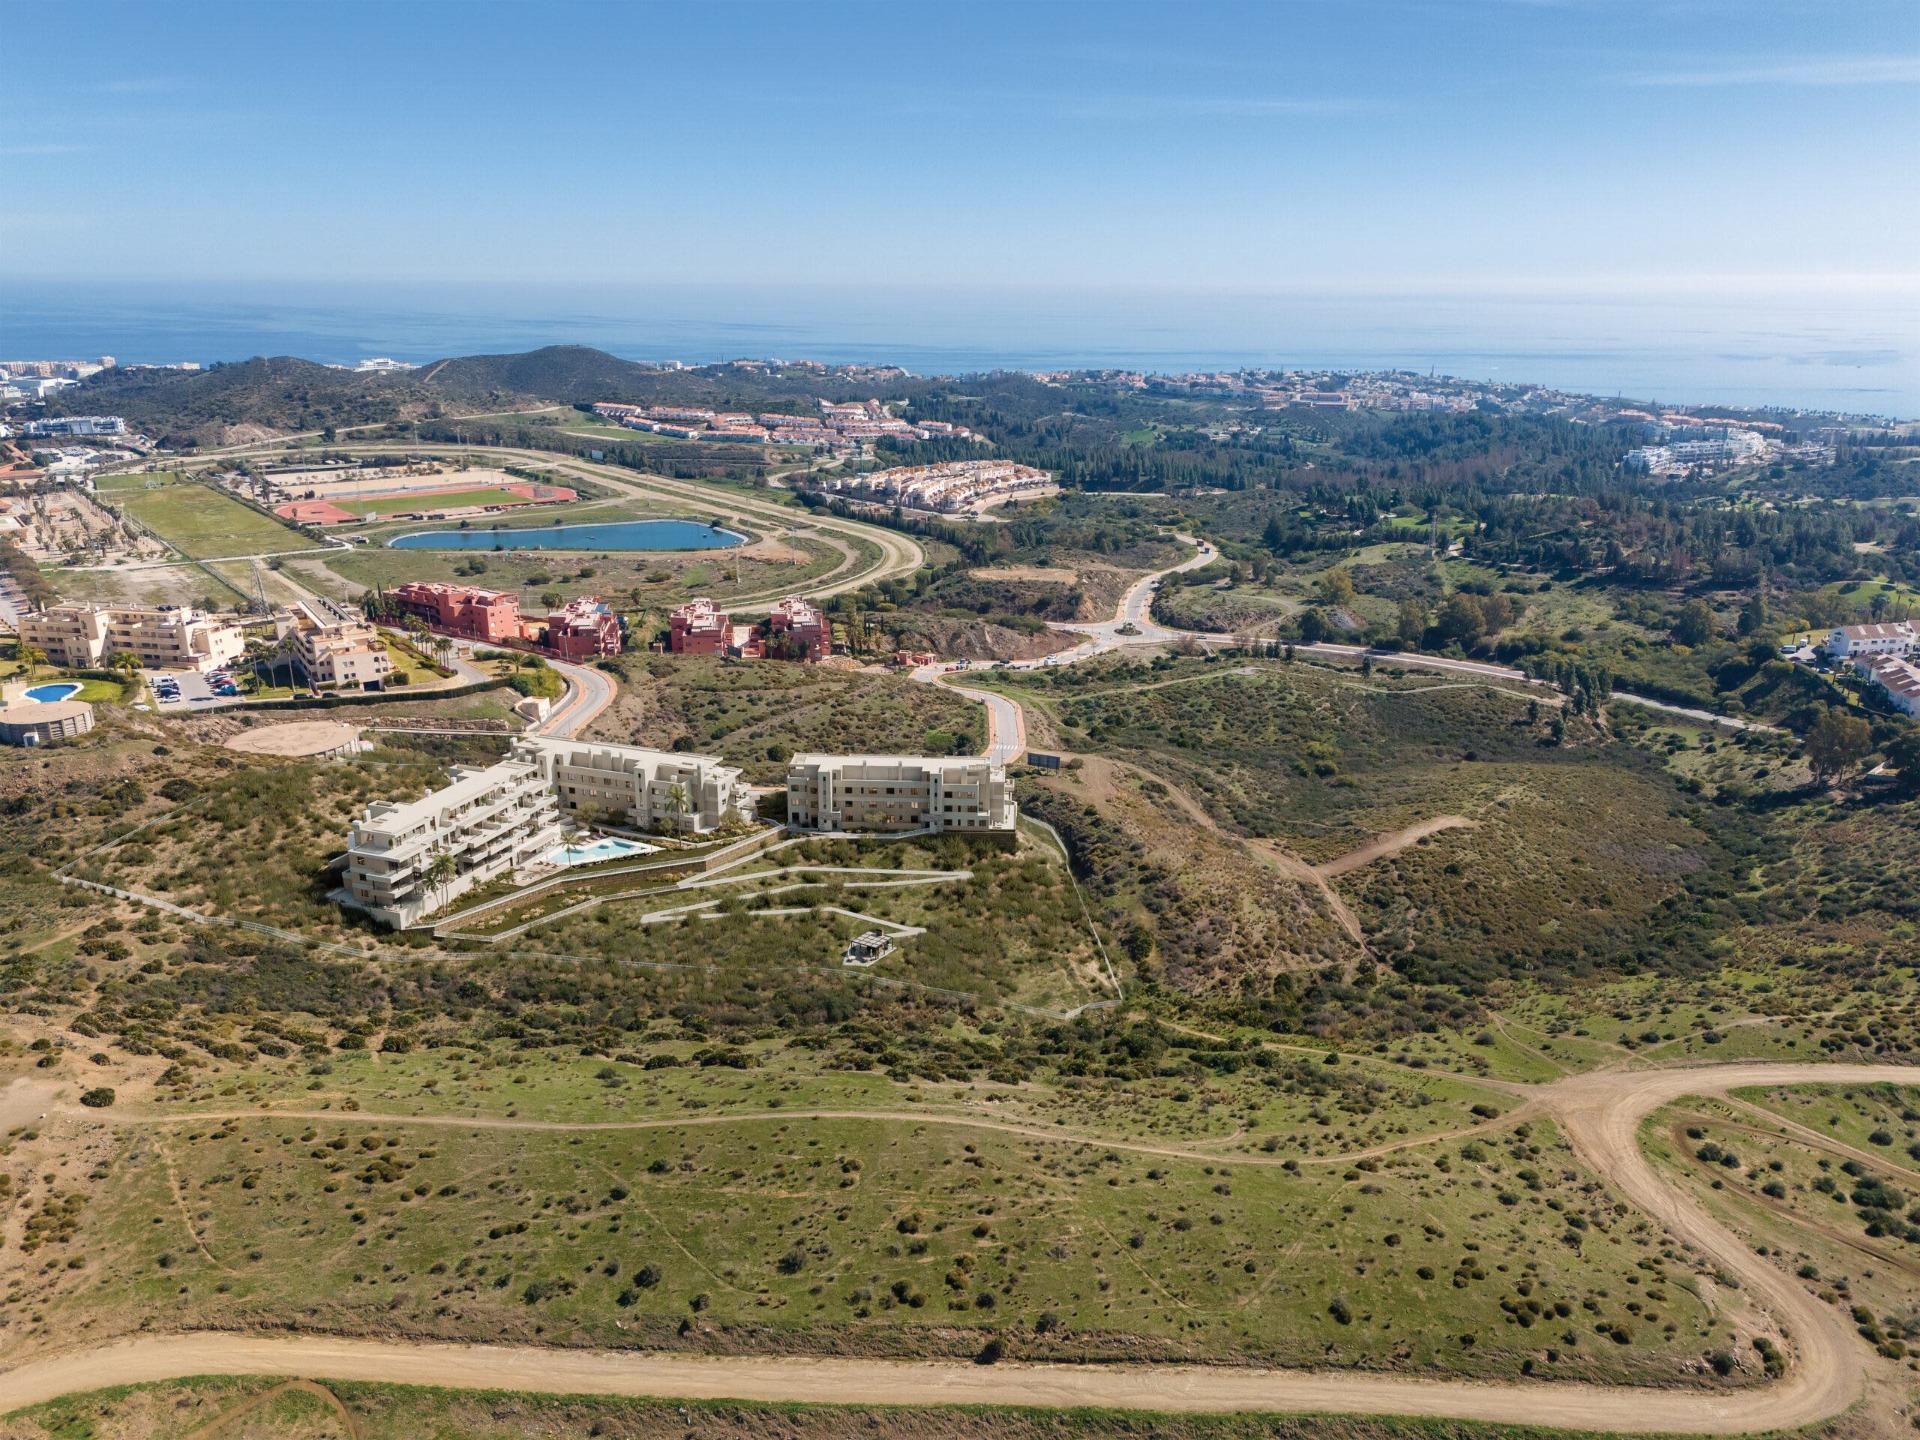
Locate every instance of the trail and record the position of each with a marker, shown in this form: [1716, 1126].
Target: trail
[1599, 1113]
[1050, 1134]
[228, 1418]
[1388, 844]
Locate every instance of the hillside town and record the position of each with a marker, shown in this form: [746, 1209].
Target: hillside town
[953, 488]
[832, 428]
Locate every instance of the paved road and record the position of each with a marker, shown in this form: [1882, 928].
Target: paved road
[1006, 719]
[589, 691]
[1600, 1113]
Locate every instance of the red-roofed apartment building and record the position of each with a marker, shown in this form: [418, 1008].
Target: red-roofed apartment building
[462, 610]
[794, 630]
[582, 629]
[797, 630]
[697, 628]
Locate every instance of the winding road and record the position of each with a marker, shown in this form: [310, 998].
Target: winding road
[1600, 1113]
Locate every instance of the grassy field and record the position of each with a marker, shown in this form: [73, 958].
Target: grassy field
[879, 1236]
[1839, 1224]
[758, 713]
[203, 524]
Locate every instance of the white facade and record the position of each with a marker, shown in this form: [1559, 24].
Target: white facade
[638, 788]
[163, 637]
[1898, 637]
[899, 792]
[492, 822]
[77, 425]
[1898, 679]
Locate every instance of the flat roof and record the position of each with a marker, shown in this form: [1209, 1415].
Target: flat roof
[44, 712]
[298, 737]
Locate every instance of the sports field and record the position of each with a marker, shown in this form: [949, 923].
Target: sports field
[203, 524]
[376, 505]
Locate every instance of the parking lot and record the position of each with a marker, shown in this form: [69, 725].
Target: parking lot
[178, 690]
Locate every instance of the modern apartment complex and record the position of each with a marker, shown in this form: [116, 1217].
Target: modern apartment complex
[509, 816]
[882, 793]
[75, 425]
[335, 648]
[637, 788]
[490, 821]
[161, 637]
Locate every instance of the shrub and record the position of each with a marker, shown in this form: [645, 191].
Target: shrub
[99, 1097]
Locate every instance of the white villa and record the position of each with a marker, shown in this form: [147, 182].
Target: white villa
[1895, 637]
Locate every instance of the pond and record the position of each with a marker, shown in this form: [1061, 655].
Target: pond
[614, 535]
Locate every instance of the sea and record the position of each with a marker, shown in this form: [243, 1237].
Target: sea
[1852, 351]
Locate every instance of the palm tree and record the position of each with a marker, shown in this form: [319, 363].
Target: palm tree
[443, 647]
[440, 872]
[677, 803]
[127, 663]
[31, 656]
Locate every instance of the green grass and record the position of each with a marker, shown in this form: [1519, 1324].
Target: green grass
[883, 1236]
[203, 524]
[757, 713]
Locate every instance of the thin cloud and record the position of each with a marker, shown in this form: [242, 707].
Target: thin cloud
[1832, 70]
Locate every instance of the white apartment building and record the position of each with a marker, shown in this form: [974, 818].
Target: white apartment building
[492, 821]
[161, 637]
[630, 786]
[76, 425]
[899, 792]
[1896, 637]
[335, 648]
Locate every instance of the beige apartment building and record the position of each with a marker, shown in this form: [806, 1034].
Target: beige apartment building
[492, 821]
[638, 788]
[162, 637]
[899, 792]
[334, 647]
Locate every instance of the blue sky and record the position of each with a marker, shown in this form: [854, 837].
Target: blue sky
[1338, 144]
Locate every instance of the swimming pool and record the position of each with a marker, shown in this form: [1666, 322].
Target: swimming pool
[47, 694]
[614, 535]
[607, 847]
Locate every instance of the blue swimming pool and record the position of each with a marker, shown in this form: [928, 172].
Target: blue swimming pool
[614, 535]
[606, 848]
[47, 694]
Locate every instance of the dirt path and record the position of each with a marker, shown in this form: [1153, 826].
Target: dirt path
[1388, 844]
[1600, 1113]
[228, 1418]
[1046, 1133]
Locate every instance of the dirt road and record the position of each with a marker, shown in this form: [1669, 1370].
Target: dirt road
[1600, 1113]
[1383, 845]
